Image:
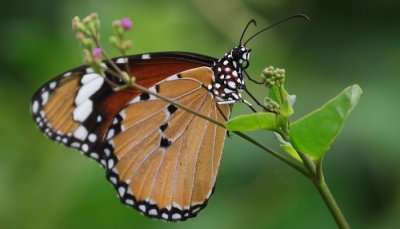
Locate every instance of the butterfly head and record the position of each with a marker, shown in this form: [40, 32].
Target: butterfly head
[228, 79]
[228, 75]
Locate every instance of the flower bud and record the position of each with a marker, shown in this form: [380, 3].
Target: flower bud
[274, 76]
[97, 53]
[271, 105]
[126, 24]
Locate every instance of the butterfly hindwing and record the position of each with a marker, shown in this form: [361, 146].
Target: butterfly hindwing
[163, 160]
[78, 107]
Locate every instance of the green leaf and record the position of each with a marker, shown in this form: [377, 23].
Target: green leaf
[286, 107]
[314, 133]
[281, 96]
[287, 147]
[253, 122]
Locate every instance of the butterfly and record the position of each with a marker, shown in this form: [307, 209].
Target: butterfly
[162, 160]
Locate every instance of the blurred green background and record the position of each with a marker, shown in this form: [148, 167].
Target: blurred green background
[45, 185]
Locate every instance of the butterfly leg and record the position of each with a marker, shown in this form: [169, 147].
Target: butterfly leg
[256, 101]
[249, 105]
[223, 115]
[253, 80]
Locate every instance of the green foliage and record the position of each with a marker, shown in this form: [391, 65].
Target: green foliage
[314, 133]
[281, 96]
[253, 122]
[287, 147]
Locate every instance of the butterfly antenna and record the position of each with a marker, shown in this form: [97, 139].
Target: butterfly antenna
[252, 21]
[301, 16]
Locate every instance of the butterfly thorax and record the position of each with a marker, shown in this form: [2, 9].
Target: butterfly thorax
[228, 79]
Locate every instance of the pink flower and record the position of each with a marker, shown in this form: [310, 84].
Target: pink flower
[97, 53]
[126, 23]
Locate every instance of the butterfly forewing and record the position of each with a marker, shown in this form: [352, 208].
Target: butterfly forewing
[78, 107]
[163, 160]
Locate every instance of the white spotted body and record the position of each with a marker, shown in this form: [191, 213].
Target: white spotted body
[228, 79]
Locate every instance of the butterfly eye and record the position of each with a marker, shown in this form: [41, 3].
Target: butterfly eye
[245, 64]
[236, 54]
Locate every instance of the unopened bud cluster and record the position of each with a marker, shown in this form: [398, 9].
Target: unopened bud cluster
[271, 105]
[274, 76]
[119, 29]
[87, 33]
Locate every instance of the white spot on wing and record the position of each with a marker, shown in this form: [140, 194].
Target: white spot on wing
[121, 191]
[52, 85]
[88, 90]
[110, 163]
[35, 107]
[122, 60]
[164, 215]
[135, 100]
[146, 56]
[110, 133]
[81, 133]
[85, 147]
[45, 97]
[142, 208]
[176, 216]
[67, 74]
[113, 180]
[107, 152]
[92, 137]
[173, 77]
[94, 155]
[76, 144]
[89, 77]
[153, 212]
[83, 111]
[129, 202]
[196, 210]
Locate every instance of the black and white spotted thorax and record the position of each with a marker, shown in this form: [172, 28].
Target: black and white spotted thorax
[228, 79]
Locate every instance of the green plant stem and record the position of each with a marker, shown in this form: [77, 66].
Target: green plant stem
[328, 198]
[289, 161]
[318, 179]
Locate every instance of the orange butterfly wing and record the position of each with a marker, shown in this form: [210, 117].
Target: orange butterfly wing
[162, 160]
[77, 107]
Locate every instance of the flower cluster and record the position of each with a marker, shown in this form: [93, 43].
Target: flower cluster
[117, 39]
[278, 99]
[274, 76]
[271, 105]
[87, 32]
